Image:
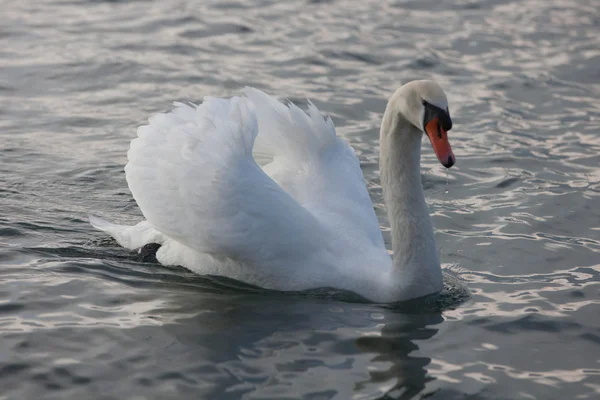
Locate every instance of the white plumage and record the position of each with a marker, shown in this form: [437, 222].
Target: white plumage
[302, 220]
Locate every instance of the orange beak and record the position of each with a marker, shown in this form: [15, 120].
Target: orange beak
[439, 141]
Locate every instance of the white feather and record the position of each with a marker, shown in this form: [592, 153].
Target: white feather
[302, 220]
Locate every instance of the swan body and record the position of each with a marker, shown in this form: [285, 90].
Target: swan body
[304, 218]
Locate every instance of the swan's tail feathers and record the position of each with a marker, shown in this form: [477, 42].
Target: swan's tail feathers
[288, 131]
[130, 237]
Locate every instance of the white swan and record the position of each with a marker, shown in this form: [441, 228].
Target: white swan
[304, 219]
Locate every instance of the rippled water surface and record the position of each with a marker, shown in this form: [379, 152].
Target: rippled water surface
[518, 222]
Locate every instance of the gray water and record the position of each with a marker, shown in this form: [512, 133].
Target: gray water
[517, 219]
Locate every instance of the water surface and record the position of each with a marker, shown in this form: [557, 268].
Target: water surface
[519, 224]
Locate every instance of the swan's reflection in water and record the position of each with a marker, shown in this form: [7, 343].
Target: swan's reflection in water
[396, 345]
[255, 346]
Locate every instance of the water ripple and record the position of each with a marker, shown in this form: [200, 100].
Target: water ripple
[517, 218]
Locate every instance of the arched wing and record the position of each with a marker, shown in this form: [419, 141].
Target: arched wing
[193, 175]
[318, 169]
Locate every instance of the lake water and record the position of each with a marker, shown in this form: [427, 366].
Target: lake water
[517, 219]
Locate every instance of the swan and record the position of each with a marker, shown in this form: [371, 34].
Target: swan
[265, 193]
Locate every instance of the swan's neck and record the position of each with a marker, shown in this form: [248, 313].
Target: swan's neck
[416, 265]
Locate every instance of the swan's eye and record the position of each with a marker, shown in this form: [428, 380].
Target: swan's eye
[424, 102]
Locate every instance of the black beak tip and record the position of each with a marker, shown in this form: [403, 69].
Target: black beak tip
[449, 163]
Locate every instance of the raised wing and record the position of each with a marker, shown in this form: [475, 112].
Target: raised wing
[193, 175]
[317, 168]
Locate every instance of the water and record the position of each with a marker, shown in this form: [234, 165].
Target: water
[447, 180]
[519, 226]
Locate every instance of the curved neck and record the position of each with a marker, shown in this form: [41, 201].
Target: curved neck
[415, 254]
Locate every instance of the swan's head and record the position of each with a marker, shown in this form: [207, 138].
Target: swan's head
[424, 104]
